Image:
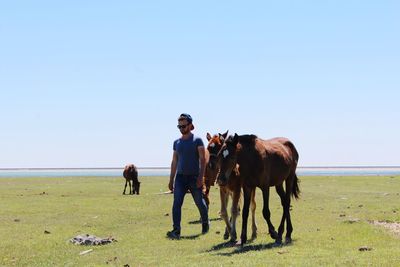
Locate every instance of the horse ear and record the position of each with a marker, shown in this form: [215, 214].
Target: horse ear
[225, 134]
[208, 136]
[236, 138]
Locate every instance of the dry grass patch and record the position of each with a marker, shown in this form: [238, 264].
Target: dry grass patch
[393, 227]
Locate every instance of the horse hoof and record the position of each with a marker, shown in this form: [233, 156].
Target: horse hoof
[226, 236]
[288, 240]
[274, 235]
[254, 236]
[239, 243]
[278, 242]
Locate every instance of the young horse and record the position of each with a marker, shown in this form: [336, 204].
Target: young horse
[263, 164]
[130, 174]
[211, 171]
[231, 188]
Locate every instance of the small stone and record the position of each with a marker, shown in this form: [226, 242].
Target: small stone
[364, 248]
[85, 252]
[46, 232]
[353, 220]
[282, 251]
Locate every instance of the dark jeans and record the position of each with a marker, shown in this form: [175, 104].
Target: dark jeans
[182, 184]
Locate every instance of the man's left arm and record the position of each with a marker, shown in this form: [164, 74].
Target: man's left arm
[202, 161]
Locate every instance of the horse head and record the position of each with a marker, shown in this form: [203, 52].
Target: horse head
[136, 187]
[227, 159]
[214, 145]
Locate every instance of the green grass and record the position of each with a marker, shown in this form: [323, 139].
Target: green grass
[323, 234]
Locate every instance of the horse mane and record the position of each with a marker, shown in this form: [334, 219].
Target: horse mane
[247, 139]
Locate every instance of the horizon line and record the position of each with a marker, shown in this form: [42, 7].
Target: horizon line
[164, 168]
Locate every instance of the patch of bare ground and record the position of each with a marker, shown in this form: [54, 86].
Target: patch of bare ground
[393, 227]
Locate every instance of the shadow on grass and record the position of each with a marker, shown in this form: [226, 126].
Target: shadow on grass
[227, 244]
[246, 248]
[211, 220]
[190, 236]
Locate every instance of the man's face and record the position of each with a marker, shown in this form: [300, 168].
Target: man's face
[184, 126]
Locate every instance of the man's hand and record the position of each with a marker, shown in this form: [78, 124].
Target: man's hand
[171, 185]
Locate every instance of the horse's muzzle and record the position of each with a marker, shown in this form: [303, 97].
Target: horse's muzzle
[222, 180]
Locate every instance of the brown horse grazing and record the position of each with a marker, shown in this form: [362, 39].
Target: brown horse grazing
[262, 163]
[131, 175]
[232, 188]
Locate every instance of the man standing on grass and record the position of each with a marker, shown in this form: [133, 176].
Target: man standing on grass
[187, 168]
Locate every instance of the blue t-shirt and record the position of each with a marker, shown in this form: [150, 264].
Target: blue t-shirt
[188, 155]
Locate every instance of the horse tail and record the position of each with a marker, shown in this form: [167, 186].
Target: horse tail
[296, 188]
[295, 156]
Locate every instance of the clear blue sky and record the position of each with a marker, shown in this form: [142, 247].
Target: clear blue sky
[101, 83]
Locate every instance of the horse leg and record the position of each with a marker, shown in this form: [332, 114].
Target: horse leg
[137, 187]
[206, 196]
[253, 214]
[224, 213]
[130, 187]
[234, 212]
[282, 195]
[267, 214]
[245, 213]
[126, 182]
[289, 227]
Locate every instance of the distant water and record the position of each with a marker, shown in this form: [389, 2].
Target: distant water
[117, 172]
[75, 172]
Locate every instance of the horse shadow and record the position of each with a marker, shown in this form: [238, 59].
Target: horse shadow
[245, 248]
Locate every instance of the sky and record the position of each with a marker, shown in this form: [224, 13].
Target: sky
[102, 83]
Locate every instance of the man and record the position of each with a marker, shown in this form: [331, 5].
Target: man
[187, 167]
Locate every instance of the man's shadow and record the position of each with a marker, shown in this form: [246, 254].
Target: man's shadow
[190, 237]
[198, 222]
[211, 220]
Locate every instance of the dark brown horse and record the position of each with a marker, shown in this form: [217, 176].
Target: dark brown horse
[262, 163]
[131, 175]
[231, 188]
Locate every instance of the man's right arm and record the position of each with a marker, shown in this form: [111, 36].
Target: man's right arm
[174, 165]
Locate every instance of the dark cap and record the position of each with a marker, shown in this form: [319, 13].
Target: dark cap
[185, 116]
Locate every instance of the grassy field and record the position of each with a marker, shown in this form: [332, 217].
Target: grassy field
[331, 222]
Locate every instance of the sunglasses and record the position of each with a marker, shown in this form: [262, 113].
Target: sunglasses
[182, 126]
